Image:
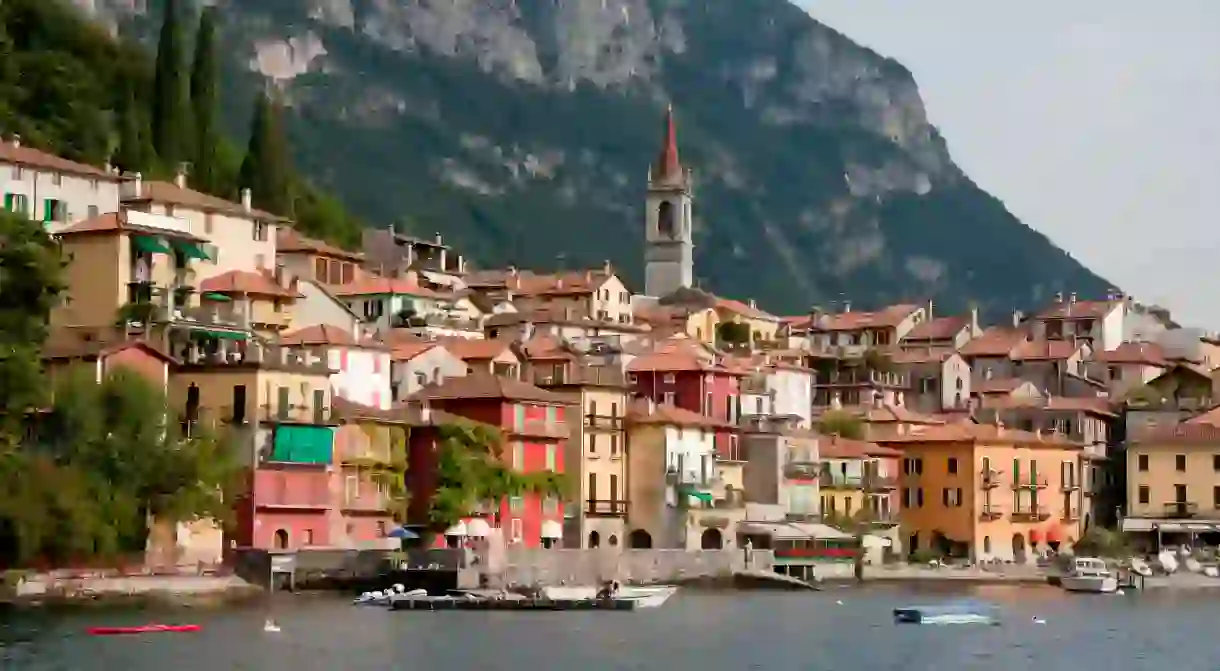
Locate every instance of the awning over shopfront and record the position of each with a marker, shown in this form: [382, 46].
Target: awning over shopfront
[1146, 524]
[793, 530]
[478, 528]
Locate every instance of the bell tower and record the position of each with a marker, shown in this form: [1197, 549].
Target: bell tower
[669, 253]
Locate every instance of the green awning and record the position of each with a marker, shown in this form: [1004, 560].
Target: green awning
[149, 244]
[225, 335]
[303, 444]
[705, 497]
[220, 298]
[190, 250]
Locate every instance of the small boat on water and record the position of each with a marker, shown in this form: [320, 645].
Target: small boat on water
[946, 613]
[643, 597]
[143, 629]
[1089, 574]
[383, 598]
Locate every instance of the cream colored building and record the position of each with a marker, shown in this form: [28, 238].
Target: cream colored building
[51, 189]
[1173, 481]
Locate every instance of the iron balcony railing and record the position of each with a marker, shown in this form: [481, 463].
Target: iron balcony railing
[838, 481]
[989, 479]
[802, 470]
[1028, 481]
[606, 508]
[1031, 513]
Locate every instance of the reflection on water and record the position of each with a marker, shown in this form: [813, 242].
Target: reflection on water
[698, 631]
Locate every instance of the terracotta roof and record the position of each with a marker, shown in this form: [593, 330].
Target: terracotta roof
[890, 414]
[941, 328]
[483, 386]
[245, 282]
[888, 317]
[475, 349]
[351, 411]
[328, 335]
[681, 354]
[1078, 310]
[662, 315]
[966, 432]
[117, 222]
[559, 315]
[547, 348]
[1093, 404]
[528, 283]
[169, 193]
[1210, 417]
[743, 309]
[836, 447]
[408, 351]
[1045, 350]
[36, 158]
[668, 167]
[999, 385]
[643, 412]
[289, 241]
[378, 285]
[71, 346]
[1179, 433]
[1145, 353]
[995, 341]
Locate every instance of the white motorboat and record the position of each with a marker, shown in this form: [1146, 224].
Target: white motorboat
[1090, 574]
[644, 597]
[383, 598]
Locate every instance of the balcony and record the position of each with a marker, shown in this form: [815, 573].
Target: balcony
[802, 470]
[371, 504]
[691, 478]
[604, 422]
[1028, 481]
[838, 481]
[1177, 510]
[880, 483]
[253, 354]
[1069, 486]
[989, 479]
[990, 513]
[1031, 514]
[541, 428]
[605, 508]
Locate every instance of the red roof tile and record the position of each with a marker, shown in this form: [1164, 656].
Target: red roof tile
[643, 412]
[1078, 310]
[1146, 353]
[743, 309]
[682, 354]
[1045, 350]
[966, 432]
[888, 317]
[378, 285]
[245, 282]
[289, 241]
[327, 335]
[168, 193]
[407, 351]
[995, 341]
[941, 328]
[483, 386]
[1179, 433]
[475, 349]
[117, 222]
[36, 158]
[835, 447]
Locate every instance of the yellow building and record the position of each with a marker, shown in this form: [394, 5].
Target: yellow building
[599, 501]
[987, 492]
[1173, 481]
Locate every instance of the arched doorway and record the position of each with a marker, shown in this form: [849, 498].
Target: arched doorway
[595, 539]
[711, 539]
[639, 540]
[281, 539]
[1018, 548]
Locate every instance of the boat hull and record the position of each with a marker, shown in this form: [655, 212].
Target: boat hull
[644, 597]
[1091, 585]
[143, 629]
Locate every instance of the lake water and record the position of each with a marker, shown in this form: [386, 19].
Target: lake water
[694, 630]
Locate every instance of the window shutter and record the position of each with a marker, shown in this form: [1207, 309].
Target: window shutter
[8, 202]
[48, 210]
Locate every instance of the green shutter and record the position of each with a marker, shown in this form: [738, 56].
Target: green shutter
[48, 210]
[8, 202]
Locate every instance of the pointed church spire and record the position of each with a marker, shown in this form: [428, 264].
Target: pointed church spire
[668, 166]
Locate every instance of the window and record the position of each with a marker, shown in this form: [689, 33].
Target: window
[1143, 494]
[668, 398]
[309, 537]
[319, 269]
[952, 465]
[986, 544]
[207, 222]
[1142, 462]
[515, 530]
[18, 173]
[550, 506]
[1179, 462]
[93, 211]
[259, 231]
[518, 456]
[919, 497]
[550, 457]
[283, 406]
[57, 179]
[516, 504]
[1179, 493]
[1216, 497]
[919, 467]
[944, 497]
[593, 486]
[16, 203]
[758, 405]
[613, 445]
[348, 273]
[1216, 462]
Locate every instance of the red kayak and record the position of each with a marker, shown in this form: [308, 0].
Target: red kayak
[143, 629]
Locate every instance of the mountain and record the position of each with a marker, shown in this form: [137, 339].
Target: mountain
[523, 130]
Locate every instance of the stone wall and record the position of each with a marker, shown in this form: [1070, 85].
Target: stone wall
[526, 566]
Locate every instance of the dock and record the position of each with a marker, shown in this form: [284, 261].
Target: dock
[513, 604]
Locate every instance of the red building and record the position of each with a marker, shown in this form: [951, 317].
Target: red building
[685, 374]
[533, 423]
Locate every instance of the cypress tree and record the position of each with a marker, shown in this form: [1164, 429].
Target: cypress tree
[204, 105]
[265, 170]
[169, 105]
[135, 150]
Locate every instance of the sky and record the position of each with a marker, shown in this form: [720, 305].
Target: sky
[1097, 122]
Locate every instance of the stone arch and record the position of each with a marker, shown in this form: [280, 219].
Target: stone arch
[281, 539]
[595, 539]
[1018, 548]
[667, 219]
[987, 545]
[711, 539]
[639, 540]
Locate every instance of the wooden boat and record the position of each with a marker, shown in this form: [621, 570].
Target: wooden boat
[143, 629]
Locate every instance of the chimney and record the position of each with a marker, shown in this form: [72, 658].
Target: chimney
[245, 200]
[1072, 297]
[588, 276]
[512, 270]
[180, 176]
[439, 240]
[425, 413]
[931, 305]
[847, 305]
[974, 320]
[607, 268]
[1017, 316]
[753, 304]
[15, 140]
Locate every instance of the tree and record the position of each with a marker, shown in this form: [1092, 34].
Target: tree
[735, 333]
[266, 170]
[205, 104]
[135, 151]
[31, 284]
[841, 423]
[470, 471]
[170, 112]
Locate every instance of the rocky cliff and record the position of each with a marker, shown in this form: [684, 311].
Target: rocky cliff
[523, 129]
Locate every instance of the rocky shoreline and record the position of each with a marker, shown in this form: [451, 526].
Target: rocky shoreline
[40, 591]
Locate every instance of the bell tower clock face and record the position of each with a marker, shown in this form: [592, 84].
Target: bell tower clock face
[666, 224]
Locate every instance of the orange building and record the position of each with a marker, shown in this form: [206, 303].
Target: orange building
[983, 491]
